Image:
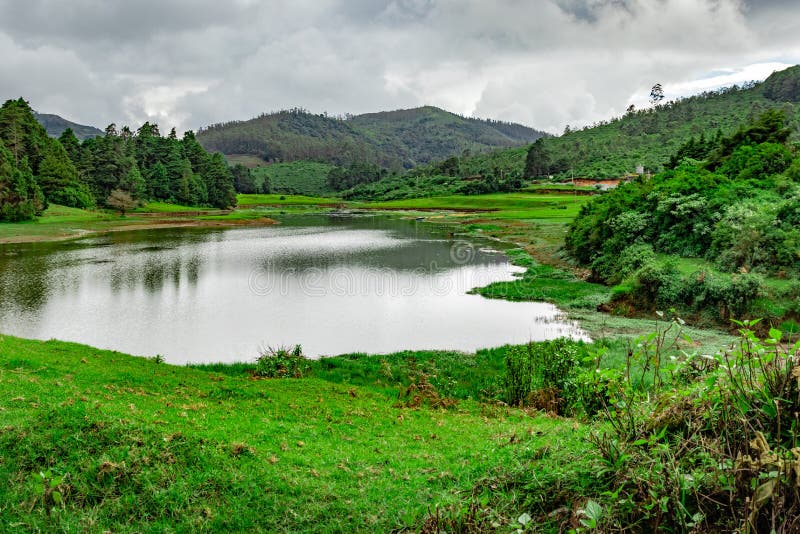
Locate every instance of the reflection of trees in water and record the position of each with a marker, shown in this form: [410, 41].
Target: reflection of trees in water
[31, 273]
[193, 269]
[24, 280]
[154, 272]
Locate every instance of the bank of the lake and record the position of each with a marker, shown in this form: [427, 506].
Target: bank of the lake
[60, 223]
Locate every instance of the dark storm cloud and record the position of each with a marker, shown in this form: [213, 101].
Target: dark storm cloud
[546, 62]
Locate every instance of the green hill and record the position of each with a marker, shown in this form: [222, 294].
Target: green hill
[56, 125]
[394, 139]
[648, 137]
[427, 134]
[645, 138]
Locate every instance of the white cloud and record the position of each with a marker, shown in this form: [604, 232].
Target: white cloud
[546, 63]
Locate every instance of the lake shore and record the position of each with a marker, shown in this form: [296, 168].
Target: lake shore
[535, 223]
[61, 223]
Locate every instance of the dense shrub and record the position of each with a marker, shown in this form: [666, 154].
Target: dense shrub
[631, 259]
[281, 362]
[740, 209]
[714, 453]
[75, 197]
[539, 374]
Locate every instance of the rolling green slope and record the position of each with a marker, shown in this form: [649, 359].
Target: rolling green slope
[425, 134]
[610, 149]
[648, 137]
[289, 136]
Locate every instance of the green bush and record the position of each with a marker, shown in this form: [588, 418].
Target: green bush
[613, 268]
[518, 380]
[74, 197]
[543, 366]
[723, 429]
[281, 362]
[658, 285]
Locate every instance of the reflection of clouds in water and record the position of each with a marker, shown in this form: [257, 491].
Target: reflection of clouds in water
[381, 281]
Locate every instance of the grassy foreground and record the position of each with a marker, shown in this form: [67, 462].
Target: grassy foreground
[97, 441]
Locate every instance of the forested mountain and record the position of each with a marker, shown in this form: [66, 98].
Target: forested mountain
[648, 137]
[426, 134]
[115, 170]
[394, 140]
[56, 125]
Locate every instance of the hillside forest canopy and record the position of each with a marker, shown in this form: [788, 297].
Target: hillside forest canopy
[37, 170]
[394, 140]
[733, 201]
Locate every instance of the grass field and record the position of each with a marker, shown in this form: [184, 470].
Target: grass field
[166, 207]
[129, 444]
[59, 222]
[285, 200]
[520, 206]
[247, 160]
[297, 177]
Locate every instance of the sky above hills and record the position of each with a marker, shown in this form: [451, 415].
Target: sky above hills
[544, 63]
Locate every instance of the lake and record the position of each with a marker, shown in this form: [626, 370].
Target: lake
[334, 284]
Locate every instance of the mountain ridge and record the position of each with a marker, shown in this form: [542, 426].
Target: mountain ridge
[394, 139]
[56, 125]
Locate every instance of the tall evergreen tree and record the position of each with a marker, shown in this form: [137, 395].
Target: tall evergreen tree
[20, 196]
[22, 134]
[59, 180]
[71, 144]
[219, 183]
[158, 182]
[243, 179]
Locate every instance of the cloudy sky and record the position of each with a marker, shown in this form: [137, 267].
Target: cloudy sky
[544, 63]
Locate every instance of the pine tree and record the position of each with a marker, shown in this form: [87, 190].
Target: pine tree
[133, 182]
[243, 179]
[158, 184]
[20, 196]
[59, 180]
[22, 134]
[219, 183]
[71, 144]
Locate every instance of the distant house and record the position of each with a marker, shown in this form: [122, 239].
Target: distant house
[602, 185]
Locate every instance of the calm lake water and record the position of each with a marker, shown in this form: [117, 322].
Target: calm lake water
[332, 284]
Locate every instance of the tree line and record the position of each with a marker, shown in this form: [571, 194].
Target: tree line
[37, 170]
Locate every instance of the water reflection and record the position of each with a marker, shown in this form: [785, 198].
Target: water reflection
[332, 284]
